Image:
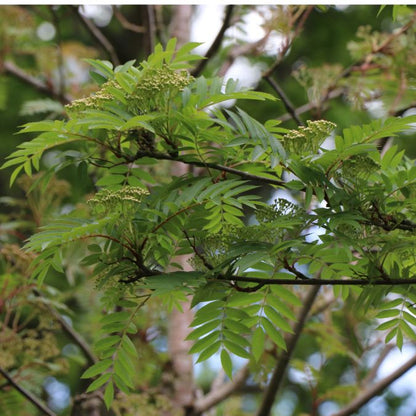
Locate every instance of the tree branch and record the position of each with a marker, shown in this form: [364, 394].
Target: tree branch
[387, 225]
[285, 99]
[280, 369]
[96, 33]
[11, 69]
[215, 166]
[300, 282]
[310, 106]
[70, 331]
[223, 392]
[321, 282]
[375, 389]
[27, 394]
[217, 42]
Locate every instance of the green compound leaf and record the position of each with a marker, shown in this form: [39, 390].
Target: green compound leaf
[226, 363]
[257, 343]
[109, 394]
[97, 368]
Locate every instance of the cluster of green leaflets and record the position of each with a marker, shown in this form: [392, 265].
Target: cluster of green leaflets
[363, 203]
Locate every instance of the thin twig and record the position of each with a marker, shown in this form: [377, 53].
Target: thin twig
[215, 166]
[217, 42]
[108, 237]
[280, 369]
[310, 106]
[75, 336]
[197, 253]
[285, 99]
[70, 331]
[375, 389]
[11, 69]
[96, 33]
[32, 398]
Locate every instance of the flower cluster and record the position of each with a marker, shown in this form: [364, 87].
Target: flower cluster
[153, 86]
[158, 80]
[308, 139]
[93, 102]
[122, 200]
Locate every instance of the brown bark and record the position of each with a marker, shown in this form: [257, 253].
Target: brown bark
[178, 330]
[179, 322]
[182, 365]
[180, 26]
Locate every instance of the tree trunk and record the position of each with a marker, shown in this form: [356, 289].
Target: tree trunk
[178, 326]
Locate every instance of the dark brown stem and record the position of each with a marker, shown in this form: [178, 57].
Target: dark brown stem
[267, 75]
[215, 166]
[321, 282]
[310, 106]
[197, 253]
[70, 331]
[27, 394]
[285, 99]
[280, 369]
[108, 237]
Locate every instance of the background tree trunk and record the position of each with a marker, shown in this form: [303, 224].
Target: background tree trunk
[179, 322]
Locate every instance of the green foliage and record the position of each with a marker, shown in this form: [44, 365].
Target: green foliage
[116, 352]
[363, 204]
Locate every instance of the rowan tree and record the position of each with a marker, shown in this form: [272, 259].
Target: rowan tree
[176, 224]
